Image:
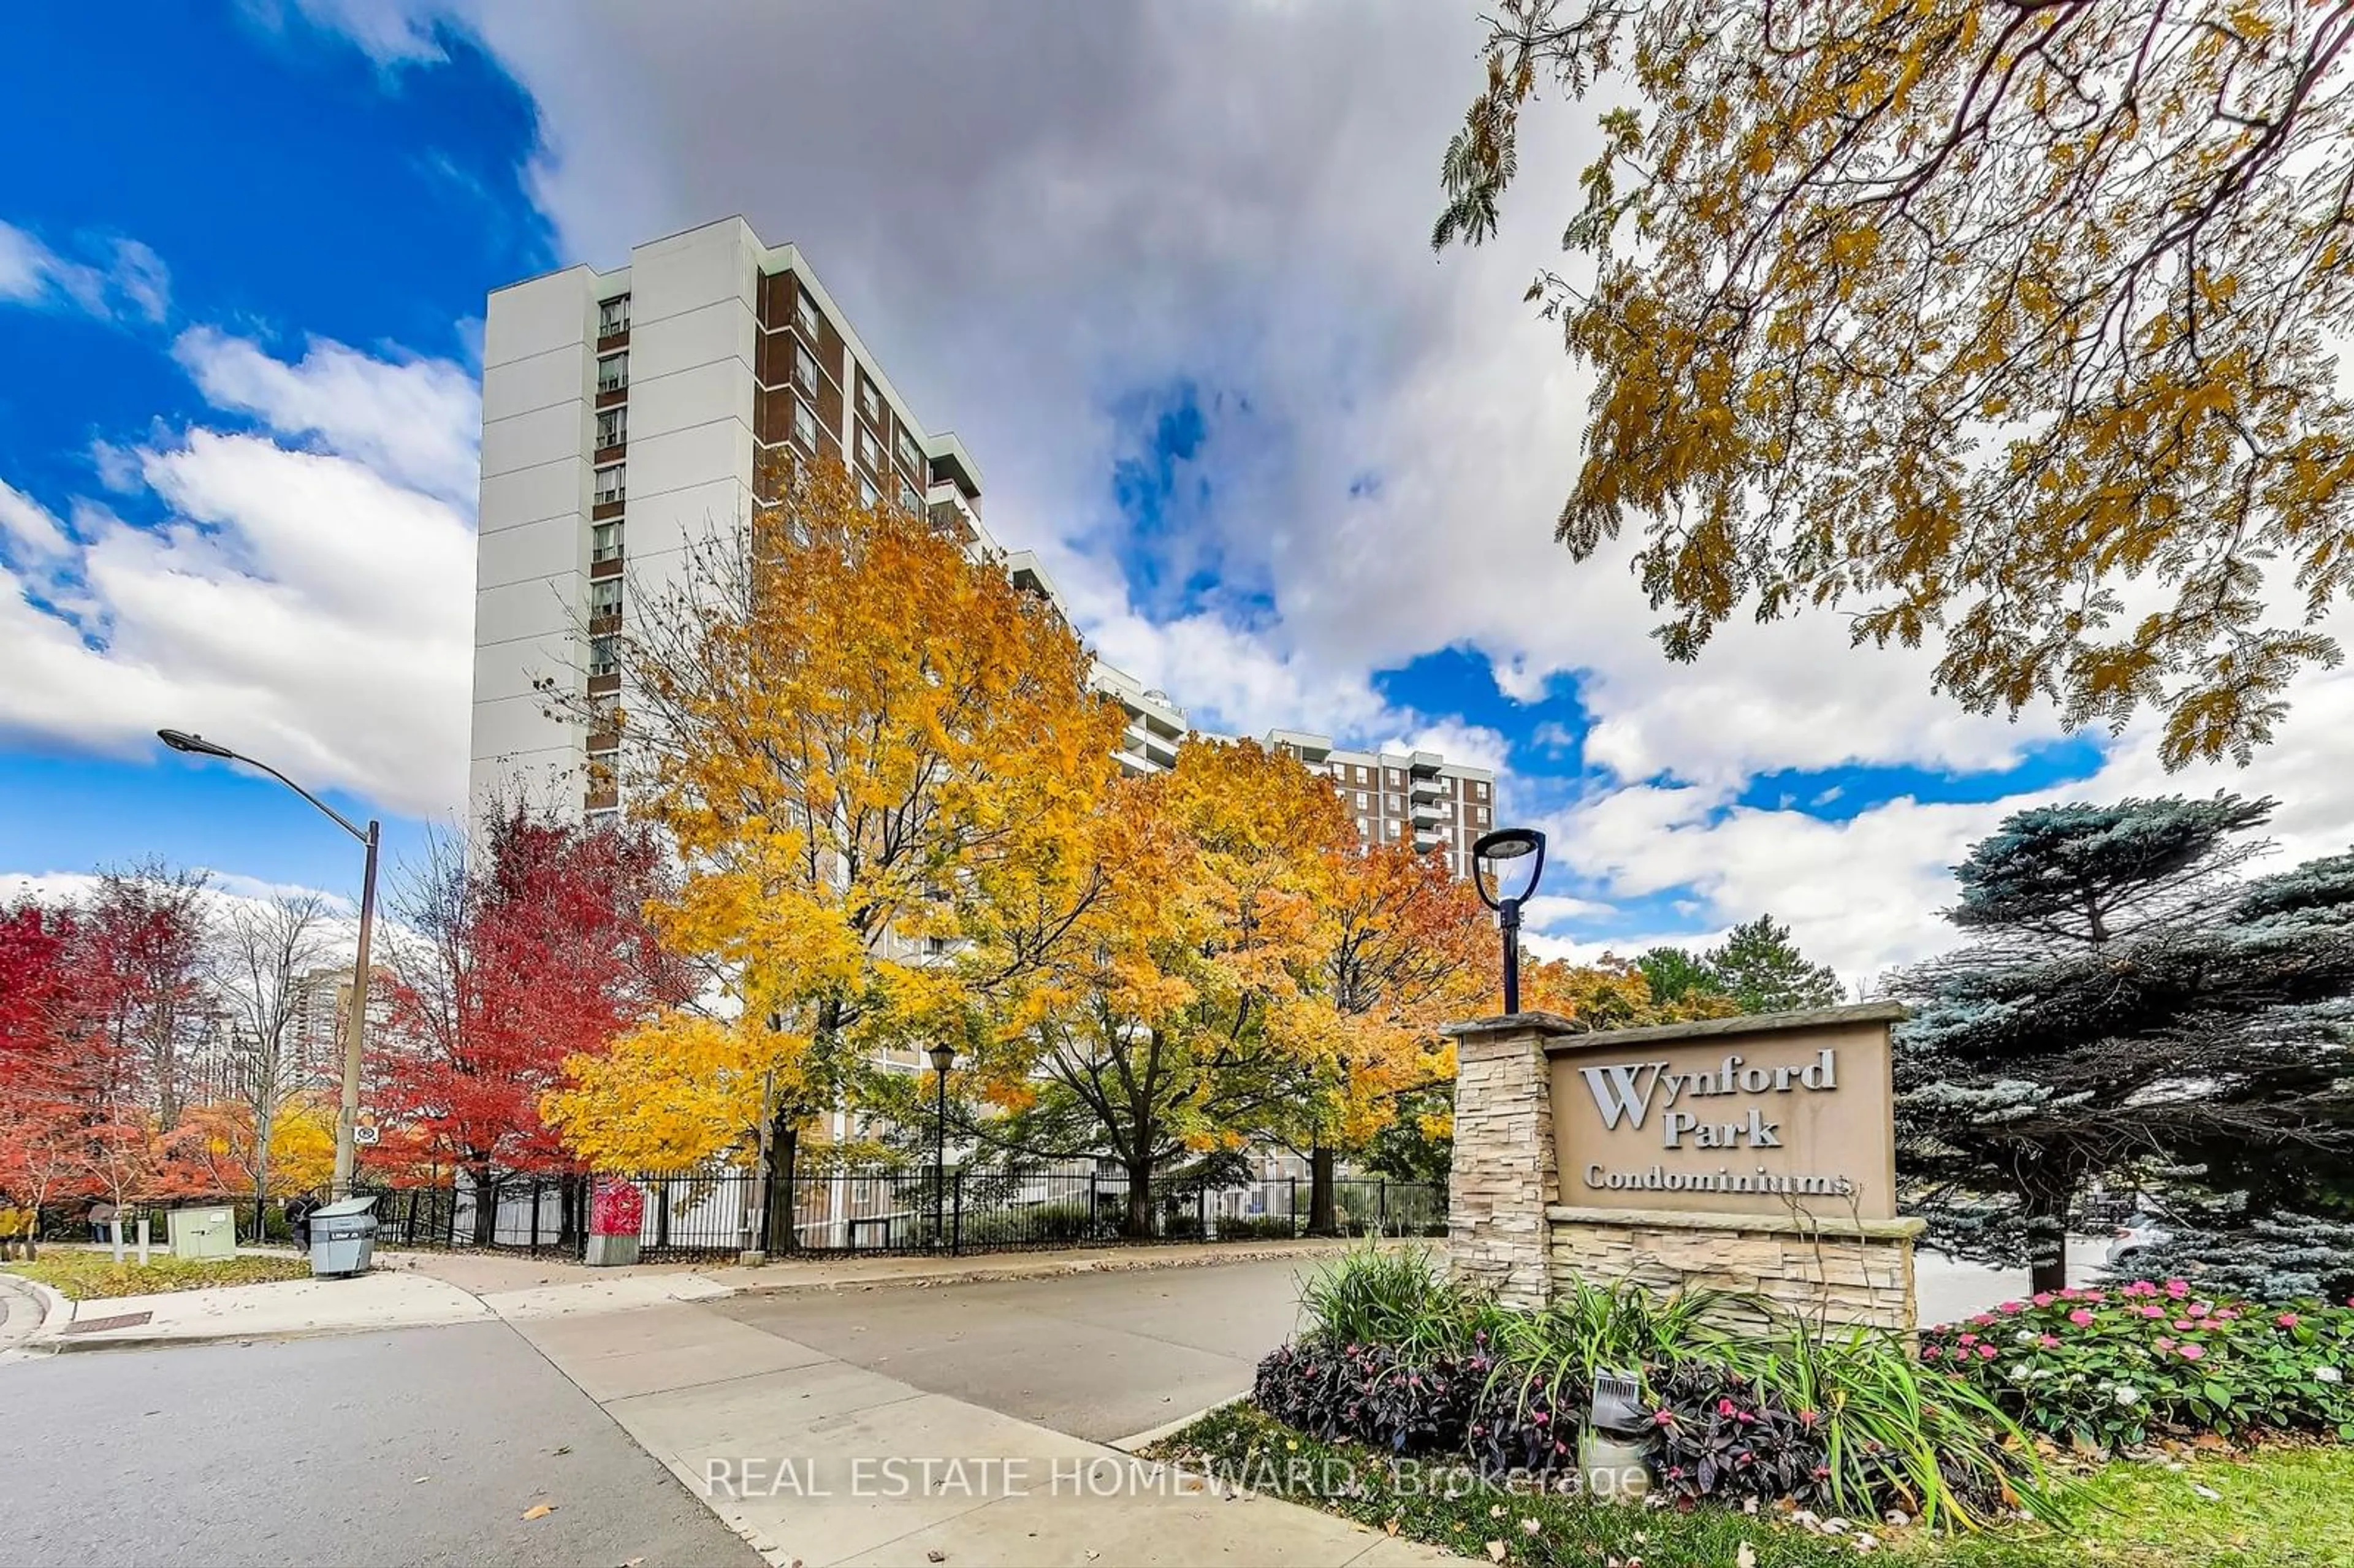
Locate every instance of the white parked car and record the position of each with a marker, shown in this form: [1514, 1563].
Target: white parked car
[2144, 1228]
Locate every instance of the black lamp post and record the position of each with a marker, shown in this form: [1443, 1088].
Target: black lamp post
[943, 1058]
[1505, 866]
[347, 1114]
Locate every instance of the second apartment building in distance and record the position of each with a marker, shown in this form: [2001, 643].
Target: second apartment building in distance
[1417, 797]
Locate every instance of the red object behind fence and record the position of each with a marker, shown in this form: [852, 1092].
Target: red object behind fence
[617, 1209]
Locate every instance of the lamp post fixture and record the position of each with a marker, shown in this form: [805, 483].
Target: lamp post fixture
[347, 1114]
[1506, 865]
[943, 1058]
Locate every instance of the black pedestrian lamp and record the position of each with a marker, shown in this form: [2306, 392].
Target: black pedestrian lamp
[943, 1058]
[1505, 866]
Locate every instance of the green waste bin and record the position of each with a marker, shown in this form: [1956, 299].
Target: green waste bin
[204, 1233]
[342, 1237]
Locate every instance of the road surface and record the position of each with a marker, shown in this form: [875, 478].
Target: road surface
[420, 1446]
[1105, 1356]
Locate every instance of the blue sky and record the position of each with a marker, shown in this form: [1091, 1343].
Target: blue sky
[1285, 466]
[293, 190]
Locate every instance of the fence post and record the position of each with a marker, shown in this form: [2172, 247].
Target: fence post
[956, 1231]
[535, 1217]
[1291, 1208]
[1381, 1207]
[1094, 1207]
[1202, 1212]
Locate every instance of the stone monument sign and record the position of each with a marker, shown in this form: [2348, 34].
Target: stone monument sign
[1753, 1153]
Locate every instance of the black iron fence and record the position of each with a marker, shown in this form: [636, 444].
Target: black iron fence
[723, 1211]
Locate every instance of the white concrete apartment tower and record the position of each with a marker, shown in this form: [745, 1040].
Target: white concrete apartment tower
[624, 414]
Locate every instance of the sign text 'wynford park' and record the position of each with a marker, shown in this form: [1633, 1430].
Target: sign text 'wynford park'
[1746, 1114]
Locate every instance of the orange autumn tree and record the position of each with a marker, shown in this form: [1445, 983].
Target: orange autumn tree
[1192, 1008]
[877, 760]
[1610, 993]
[1408, 947]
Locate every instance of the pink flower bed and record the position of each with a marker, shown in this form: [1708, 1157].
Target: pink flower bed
[2119, 1366]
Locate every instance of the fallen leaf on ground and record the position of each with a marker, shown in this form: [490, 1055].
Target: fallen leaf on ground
[936, 1556]
[2209, 1493]
[539, 1510]
[1496, 1550]
[1746, 1557]
[564, 1447]
[1392, 1526]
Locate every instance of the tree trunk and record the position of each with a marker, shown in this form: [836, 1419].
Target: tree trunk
[1322, 1218]
[486, 1203]
[261, 1180]
[784, 1149]
[1138, 1223]
[2047, 1233]
[568, 1227]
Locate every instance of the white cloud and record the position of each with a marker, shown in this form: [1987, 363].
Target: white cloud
[308, 606]
[416, 421]
[127, 280]
[392, 33]
[29, 527]
[1070, 206]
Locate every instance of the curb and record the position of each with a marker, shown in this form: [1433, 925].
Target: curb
[56, 1313]
[1152, 1435]
[982, 1273]
[73, 1345]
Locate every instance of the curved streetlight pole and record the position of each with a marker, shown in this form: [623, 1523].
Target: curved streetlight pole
[347, 1114]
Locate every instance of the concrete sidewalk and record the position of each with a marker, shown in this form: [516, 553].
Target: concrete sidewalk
[417, 1289]
[811, 1458]
[816, 1461]
[293, 1309]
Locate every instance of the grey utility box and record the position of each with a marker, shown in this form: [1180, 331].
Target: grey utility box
[342, 1237]
[204, 1233]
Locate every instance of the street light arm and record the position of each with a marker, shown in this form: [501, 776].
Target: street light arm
[339, 819]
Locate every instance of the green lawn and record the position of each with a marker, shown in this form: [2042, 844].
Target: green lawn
[2279, 1509]
[81, 1275]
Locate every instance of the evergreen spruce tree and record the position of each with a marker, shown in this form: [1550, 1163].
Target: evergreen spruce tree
[1763, 971]
[2126, 1001]
[1675, 973]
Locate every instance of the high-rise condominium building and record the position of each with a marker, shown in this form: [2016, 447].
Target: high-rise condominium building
[1416, 798]
[626, 413]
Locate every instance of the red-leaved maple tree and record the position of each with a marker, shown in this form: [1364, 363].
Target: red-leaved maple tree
[528, 947]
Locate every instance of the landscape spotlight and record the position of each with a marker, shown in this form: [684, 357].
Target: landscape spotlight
[1505, 867]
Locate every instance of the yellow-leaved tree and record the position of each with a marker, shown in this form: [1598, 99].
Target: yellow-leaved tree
[878, 762]
[217, 1137]
[2012, 330]
[1192, 1008]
